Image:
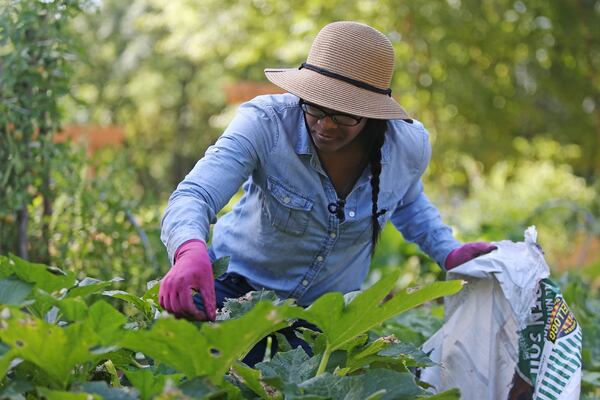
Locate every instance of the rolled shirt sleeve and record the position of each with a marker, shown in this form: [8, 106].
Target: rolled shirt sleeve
[419, 220]
[215, 178]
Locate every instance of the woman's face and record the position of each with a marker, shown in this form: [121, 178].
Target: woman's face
[329, 136]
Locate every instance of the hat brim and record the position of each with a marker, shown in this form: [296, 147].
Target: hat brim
[336, 94]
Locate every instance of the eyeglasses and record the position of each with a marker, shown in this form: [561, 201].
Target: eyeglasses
[319, 113]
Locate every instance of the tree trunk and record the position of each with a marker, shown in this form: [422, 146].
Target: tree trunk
[47, 212]
[22, 222]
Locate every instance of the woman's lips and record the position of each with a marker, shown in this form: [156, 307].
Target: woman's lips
[325, 138]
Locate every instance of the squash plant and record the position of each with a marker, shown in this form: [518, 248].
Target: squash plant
[63, 338]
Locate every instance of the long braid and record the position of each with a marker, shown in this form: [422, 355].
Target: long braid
[376, 129]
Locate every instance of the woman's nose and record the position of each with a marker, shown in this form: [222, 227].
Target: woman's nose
[327, 123]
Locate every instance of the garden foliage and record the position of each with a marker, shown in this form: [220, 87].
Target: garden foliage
[60, 335]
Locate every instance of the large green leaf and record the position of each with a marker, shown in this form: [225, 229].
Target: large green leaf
[101, 388]
[88, 286]
[151, 294]
[410, 354]
[341, 323]
[291, 367]
[64, 395]
[451, 394]
[142, 305]
[106, 322]
[202, 389]
[73, 309]
[14, 290]
[252, 378]
[235, 308]
[54, 350]
[210, 350]
[15, 389]
[389, 352]
[148, 382]
[44, 277]
[375, 383]
[220, 266]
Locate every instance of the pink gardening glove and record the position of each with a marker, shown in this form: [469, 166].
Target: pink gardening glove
[192, 270]
[466, 252]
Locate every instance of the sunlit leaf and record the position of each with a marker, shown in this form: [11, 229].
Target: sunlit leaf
[106, 322]
[341, 323]
[54, 350]
[64, 395]
[148, 382]
[44, 277]
[89, 286]
[139, 303]
[210, 350]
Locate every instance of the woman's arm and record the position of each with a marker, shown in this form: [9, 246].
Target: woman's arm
[193, 206]
[415, 217]
[419, 221]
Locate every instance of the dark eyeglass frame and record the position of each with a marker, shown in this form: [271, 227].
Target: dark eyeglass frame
[310, 109]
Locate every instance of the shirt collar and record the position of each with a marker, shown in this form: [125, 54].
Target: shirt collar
[302, 145]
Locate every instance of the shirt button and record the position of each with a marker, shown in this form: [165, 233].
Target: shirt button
[320, 258]
[286, 199]
[332, 235]
[304, 282]
[352, 214]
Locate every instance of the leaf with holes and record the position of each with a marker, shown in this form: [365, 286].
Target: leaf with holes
[210, 350]
[54, 350]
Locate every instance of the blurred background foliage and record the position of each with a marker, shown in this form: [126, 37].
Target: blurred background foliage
[509, 90]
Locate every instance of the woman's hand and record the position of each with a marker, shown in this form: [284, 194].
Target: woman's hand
[192, 270]
[467, 252]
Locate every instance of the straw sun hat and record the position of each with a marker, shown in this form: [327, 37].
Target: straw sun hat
[349, 69]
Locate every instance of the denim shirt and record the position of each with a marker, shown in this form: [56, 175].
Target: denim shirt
[280, 235]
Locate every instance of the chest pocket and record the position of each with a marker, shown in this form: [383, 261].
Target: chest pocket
[285, 208]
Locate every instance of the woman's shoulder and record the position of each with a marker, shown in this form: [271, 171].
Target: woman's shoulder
[275, 102]
[408, 142]
[407, 129]
[407, 134]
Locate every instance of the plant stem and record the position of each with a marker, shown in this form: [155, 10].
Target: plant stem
[324, 360]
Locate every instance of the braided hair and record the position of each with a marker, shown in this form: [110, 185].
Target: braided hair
[375, 128]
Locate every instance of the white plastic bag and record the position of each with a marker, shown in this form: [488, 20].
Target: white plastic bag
[509, 324]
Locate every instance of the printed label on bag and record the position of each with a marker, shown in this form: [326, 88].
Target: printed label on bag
[562, 321]
[550, 345]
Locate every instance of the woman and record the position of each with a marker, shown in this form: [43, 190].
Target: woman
[322, 168]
